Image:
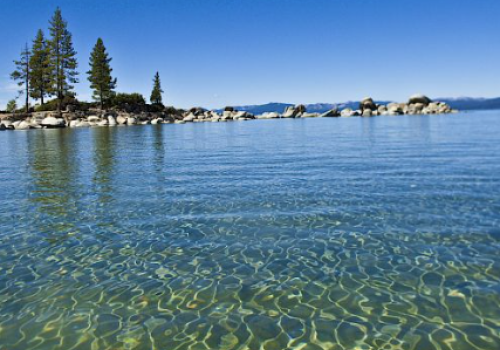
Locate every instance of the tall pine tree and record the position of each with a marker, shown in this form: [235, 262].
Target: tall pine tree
[100, 74]
[40, 68]
[62, 59]
[22, 73]
[157, 91]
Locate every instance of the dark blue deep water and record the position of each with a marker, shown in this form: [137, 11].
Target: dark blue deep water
[333, 233]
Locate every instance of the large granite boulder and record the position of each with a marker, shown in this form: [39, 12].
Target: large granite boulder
[367, 104]
[190, 117]
[53, 122]
[6, 123]
[419, 98]
[309, 115]
[227, 115]
[111, 120]
[294, 111]
[268, 115]
[121, 120]
[24, 125]
[331, 113]
[348, 112]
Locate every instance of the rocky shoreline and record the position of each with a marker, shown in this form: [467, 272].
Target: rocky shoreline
[139, 115]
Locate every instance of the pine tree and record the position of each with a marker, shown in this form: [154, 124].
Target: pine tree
[22, 73]
[11, 106]
[100, 74]
[40, 68]
[157, 91]
[62, 59]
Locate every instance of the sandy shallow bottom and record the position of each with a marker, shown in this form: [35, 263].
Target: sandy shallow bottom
[302, 234]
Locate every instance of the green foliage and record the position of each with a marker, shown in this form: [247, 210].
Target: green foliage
[53, 105]
[11, 106]
[62, 58]
[22, 73]
[157, 91]
[41, 71]
[130, 99]
[100, 74]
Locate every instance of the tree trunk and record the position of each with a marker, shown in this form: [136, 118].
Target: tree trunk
[59, 105]
[27, 100]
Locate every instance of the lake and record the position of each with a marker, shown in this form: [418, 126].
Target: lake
[328, 233]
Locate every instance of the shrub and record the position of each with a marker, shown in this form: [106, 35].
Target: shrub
[51, 105]
[131, 99]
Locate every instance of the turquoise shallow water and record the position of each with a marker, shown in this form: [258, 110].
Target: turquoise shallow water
[341, 233]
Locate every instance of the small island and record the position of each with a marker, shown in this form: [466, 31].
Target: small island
[78, 114]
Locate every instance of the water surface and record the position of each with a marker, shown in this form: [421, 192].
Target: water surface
[338, 233]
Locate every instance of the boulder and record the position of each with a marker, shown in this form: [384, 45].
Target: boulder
[214, 114]
[294, 111]
[74, 123]
[111, 120]
[3, 127]
[367, 113]
[53, 122]
[309, 115]
[416, 108]
[23, 126]
[121, 120]
[190, 117]
[228, 115]
[131, 121]
[419, 98]
[103, 122]
[197, 111]
[367, 104]
[268, 115]
[229, 109]
[394, 108]
[347, 112]
[331, 113]
[240, 115]
[93, 119]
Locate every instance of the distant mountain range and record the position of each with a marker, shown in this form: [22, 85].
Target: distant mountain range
[461, 103]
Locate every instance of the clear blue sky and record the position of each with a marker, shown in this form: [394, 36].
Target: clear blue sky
[213, 53]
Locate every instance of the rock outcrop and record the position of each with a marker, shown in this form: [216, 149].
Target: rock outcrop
[416, 105]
